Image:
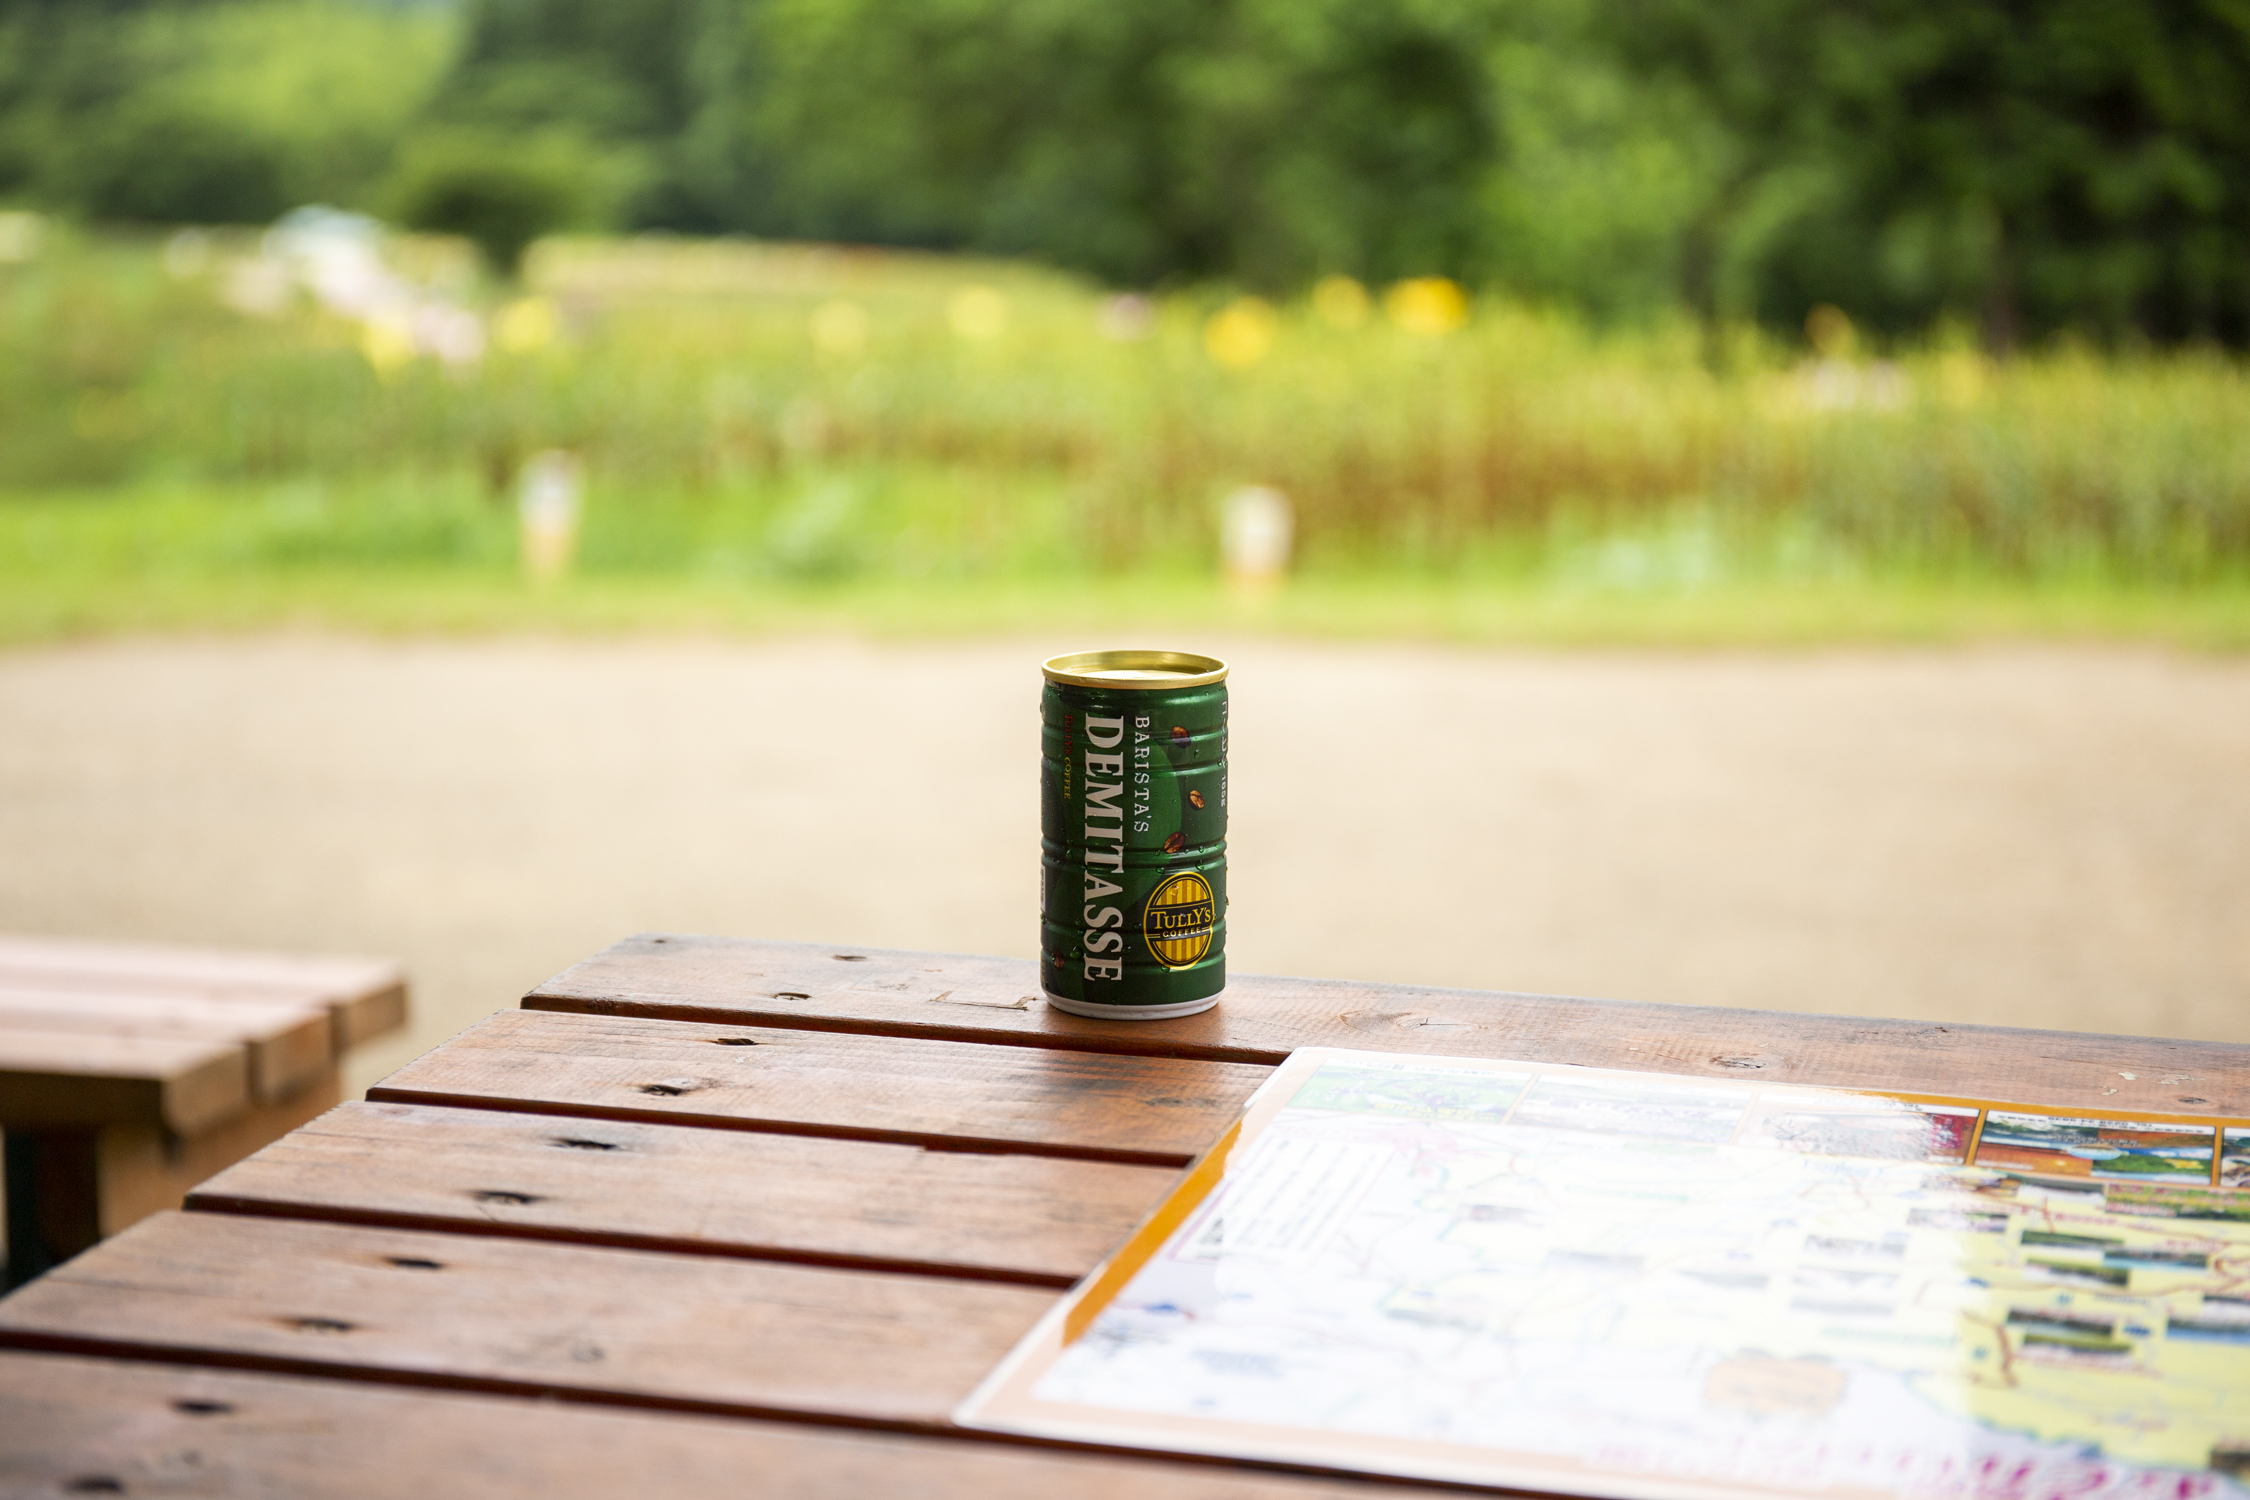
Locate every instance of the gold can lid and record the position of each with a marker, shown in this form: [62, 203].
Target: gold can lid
[1134, 669]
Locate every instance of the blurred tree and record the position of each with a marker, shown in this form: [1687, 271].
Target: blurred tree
[2030, 164]
[500, 191]
[208, 112]
[1256, 139]
[1604, 172]
[616, 77]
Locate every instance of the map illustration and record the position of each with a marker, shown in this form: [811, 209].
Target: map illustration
[1639, 1284]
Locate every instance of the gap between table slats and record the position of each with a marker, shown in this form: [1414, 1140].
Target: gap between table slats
[78, 1425]
[603, 1328]
[686, 1333]
[939, 1095]
[1262, 1019]
[1030, 1219]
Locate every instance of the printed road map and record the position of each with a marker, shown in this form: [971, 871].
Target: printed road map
[1637, 1284]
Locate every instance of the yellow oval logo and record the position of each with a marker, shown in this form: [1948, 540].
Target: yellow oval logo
[1180, 919]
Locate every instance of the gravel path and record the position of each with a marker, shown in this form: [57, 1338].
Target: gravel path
[2039, 837]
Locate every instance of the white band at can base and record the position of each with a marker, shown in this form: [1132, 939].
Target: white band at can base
[1131, 1012]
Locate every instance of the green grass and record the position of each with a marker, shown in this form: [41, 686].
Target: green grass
[440, 557]
[785, 437]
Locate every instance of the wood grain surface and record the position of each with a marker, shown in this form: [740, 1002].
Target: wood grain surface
[73, 1078]
[180, 964]
[290, 1042]
[82, 1426]
[520, 1317]
[1032, 1219]
[366, 997]
[142, 1169]
[1088, 1105]
[776, 1185]
[1262, 1019]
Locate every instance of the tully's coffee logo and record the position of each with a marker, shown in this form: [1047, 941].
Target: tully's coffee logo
[1179, 920]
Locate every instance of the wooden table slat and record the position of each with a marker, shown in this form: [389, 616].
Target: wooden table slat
[1263, 1018]
[91, 1426]
[520, 1317]
[1087, 1105]
[366, 997]
[766, 1181]
[290, 1043]
[71, 1078]
[1038, 1220]
[174, 963]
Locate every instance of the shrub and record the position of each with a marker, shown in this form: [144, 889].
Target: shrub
[157, 163]
[211, 113]
[500, 192]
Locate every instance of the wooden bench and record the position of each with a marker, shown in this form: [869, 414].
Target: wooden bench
[129, 1073]
[708, 1214]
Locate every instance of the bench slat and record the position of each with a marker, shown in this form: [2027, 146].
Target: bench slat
[524, 1318]
[366, 997]
[1097, 1107]
[71, 1078]
[84, 1426]
[1262, 1019]
[1032, 1219]
[289, 1043]
[337, 974]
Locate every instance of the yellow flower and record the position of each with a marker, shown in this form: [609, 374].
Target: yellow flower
[978, 312]
[388, 344]
[1428, 306]
[1340, 300]
[524, 325]
[840, 328]
[1962, 377]
[1240, 333]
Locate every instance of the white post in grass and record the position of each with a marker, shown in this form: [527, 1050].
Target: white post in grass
[1255, 528]
[547, 507]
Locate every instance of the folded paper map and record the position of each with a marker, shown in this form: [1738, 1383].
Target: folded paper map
[1642, 1285]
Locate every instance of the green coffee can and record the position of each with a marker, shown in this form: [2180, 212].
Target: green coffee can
[1133, 825]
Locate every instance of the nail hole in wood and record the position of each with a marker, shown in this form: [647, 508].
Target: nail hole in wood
[733, 1041]
[415, 1263]
[850, 958]
[94, 1484]
[195, 1408]
[1737, 1062]
[322, 1325]
[495, 1195]
[576, 1144]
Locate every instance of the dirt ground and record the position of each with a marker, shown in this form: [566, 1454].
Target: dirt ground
[2034, 837]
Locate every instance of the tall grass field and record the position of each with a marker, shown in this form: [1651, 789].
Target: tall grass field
[200, 431]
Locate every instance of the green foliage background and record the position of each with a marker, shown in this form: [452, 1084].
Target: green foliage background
[733, 437]
[210, 113]
[2035, 212]
[2021, 167]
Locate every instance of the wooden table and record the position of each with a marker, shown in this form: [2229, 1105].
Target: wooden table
[711, 1216]
[130, 1072]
